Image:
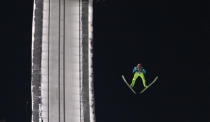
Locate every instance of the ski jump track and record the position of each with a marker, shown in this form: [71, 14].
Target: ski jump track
[62, 88]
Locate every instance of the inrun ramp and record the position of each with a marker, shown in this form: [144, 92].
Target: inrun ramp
[62, 89]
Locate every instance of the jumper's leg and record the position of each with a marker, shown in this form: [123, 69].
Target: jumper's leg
[134, 79]
[143, 79]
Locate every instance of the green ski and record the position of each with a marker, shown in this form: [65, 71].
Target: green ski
[128, 84]
[142, 91]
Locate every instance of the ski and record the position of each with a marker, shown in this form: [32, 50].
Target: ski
[128, 84]
[142, 91]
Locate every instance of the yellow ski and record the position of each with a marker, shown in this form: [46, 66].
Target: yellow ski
[128, 84]
[142, 91]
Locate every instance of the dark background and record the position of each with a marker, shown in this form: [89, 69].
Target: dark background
[15, 52]
[171, 39]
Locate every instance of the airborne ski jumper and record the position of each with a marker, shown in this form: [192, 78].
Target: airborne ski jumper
[138, 71]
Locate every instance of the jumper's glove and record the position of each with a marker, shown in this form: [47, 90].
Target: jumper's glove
[134, 69]
[144, 71]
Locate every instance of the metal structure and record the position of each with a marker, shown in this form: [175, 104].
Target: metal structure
[62, 89]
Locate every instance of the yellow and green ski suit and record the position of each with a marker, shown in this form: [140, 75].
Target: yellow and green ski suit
[138, 73]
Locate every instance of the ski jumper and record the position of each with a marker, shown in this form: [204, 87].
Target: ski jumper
[138, 73]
